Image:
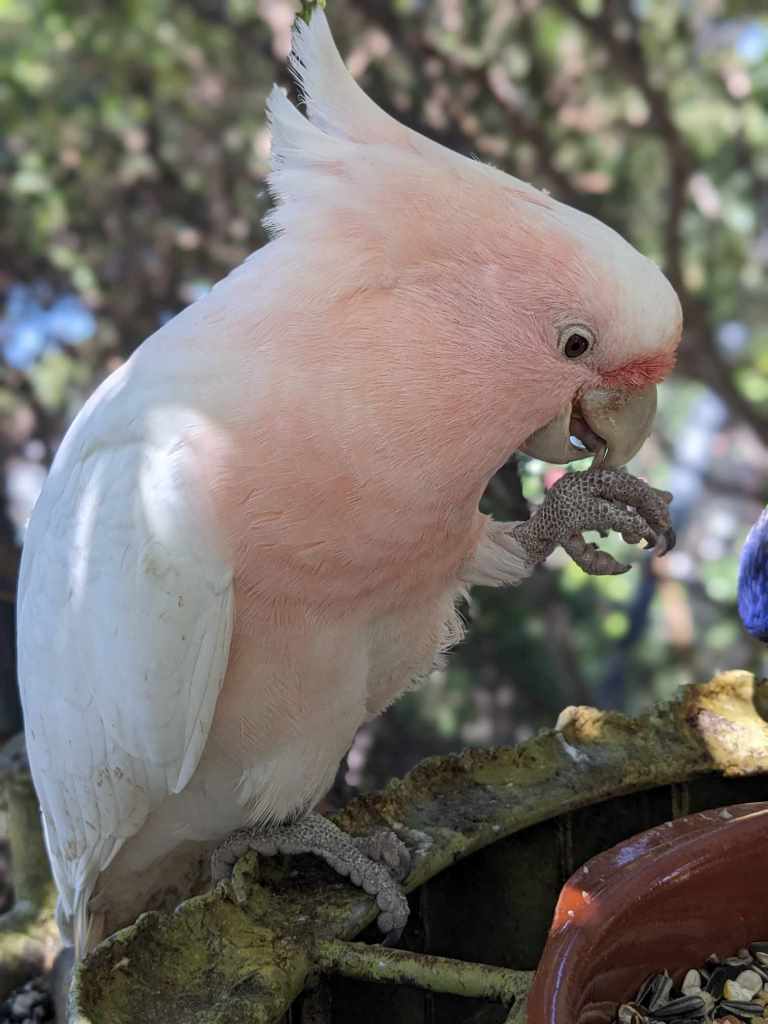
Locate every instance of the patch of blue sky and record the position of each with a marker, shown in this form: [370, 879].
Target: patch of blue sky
[31, 325]
[752, 41]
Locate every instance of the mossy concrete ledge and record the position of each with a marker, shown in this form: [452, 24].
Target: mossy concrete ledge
[242, 953]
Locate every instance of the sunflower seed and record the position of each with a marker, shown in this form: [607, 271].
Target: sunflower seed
[708, 999]
[733, 991]
[631, 1013]
[749, 982]
[646, 990]
[684, 1006]
[743, 1009]
[660, 992]
[717, 981]
[691, 983]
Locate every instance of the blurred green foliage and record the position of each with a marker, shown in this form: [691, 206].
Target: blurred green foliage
[132, 167]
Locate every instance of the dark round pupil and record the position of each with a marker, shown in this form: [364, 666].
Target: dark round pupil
[576, 345]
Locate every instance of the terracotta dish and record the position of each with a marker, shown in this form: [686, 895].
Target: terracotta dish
[664, 899]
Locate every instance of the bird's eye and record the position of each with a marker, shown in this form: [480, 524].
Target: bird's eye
[576, 340]
[576, 345]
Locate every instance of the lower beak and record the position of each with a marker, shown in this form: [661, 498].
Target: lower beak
[612, 424]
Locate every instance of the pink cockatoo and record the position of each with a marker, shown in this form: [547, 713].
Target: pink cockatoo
[254, 534]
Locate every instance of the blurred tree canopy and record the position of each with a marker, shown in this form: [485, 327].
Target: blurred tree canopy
[132, 167]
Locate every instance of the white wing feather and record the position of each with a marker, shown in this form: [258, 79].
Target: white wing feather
[125, 617]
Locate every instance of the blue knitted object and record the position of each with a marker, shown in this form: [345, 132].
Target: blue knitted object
[753, 580]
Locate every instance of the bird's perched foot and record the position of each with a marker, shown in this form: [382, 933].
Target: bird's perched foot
[602, 500]
[386, 849]
[375, 863]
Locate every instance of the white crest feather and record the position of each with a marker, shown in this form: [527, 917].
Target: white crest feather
[345, 135]
[350, 142]
[335, 102]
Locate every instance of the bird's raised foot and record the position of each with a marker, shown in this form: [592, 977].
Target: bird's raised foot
[375, 863]
[602, 500]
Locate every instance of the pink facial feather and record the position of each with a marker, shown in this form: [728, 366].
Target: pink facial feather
[639, 373]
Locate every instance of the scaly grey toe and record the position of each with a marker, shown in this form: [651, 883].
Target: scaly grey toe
[386, 848]
[315, 834]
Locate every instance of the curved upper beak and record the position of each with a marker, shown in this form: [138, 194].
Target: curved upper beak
[611, 423]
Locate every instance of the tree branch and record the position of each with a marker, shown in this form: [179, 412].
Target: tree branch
[432, 973]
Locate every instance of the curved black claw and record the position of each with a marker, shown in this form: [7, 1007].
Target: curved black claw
[667, 540]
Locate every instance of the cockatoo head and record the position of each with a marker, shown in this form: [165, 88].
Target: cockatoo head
[483, 271]
[611, 322]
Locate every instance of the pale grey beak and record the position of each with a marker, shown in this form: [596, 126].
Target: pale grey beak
[611, 423]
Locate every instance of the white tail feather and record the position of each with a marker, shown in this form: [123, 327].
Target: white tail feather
[80, 923]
